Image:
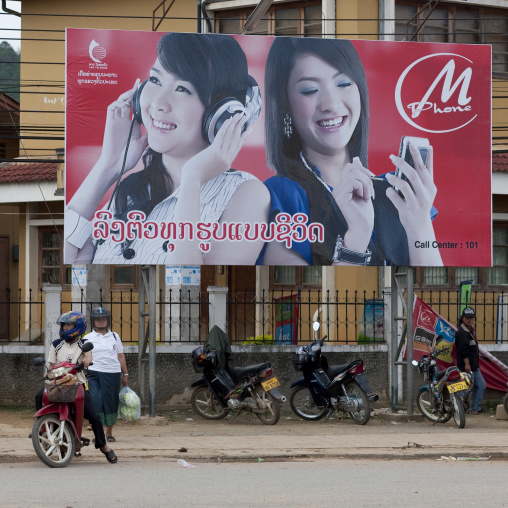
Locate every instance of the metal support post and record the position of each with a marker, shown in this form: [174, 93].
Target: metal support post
[402, 298]
[147, 290]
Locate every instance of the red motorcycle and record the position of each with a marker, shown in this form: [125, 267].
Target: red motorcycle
[56, 434]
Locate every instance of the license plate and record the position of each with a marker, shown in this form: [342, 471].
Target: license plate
[270, 383]
[457, 387]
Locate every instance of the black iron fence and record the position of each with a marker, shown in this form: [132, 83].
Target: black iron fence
[271, 317]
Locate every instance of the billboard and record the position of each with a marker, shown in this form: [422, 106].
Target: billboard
[214, 149]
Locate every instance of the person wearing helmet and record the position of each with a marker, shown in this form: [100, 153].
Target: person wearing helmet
[468, 356]
[109, 369]
[68, 349]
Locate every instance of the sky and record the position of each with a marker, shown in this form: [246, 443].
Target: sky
[10, 21]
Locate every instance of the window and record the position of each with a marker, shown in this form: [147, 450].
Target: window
[124, 277]
[456, 23]
[296, 276]
[485, 278]
[51, 269]
[292, 19]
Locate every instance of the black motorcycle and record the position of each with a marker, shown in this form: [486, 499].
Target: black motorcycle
[219, 390]
[325, 388]
[446, 393]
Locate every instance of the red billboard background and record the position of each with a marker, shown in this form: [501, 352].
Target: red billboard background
[400, 77]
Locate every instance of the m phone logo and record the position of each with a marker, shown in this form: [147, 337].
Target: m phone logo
[433, 93]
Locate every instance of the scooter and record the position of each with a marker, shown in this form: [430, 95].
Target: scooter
[56, 433]
[446, 393]
[325, 388]
[220, 390]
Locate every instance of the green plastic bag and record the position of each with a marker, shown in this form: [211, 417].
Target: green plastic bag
[129, 408]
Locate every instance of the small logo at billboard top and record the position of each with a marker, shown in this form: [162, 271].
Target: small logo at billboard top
[434, 93]
[97, 52]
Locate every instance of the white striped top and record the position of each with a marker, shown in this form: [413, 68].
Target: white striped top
[214, 197]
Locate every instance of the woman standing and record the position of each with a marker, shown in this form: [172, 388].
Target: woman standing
[192, 137]
[316, 130]
[108, 371]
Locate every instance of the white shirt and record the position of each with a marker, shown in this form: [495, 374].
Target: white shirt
[105, 351]
[62, 351]
[214, 197]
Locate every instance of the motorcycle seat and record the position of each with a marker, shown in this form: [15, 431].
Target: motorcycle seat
[250, 370]
[334, 370]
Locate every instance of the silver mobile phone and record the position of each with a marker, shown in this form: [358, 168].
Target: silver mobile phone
[404, 153]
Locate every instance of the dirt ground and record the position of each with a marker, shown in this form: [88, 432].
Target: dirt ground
[15, 421]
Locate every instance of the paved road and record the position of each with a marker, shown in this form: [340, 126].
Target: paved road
[316, 483]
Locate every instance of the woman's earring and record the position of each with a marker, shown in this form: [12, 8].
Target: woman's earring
[288, 126]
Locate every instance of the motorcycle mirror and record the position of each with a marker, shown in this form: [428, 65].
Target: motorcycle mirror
[38, 362]
[414, 362]
[87, 346]
[315, 326]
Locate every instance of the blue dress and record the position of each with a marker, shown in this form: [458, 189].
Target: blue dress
[288, 196]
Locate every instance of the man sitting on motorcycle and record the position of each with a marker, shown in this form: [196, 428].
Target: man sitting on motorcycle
[68, 349]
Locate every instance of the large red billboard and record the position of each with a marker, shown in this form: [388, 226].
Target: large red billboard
[216, 149]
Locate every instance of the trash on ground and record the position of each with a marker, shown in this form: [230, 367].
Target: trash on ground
[260, 459]
[182, 450]
[184, 463]
[189, 419]
[414, 445]
[395, 423]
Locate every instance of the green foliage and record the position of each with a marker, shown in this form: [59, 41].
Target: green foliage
[9, 70]
[260, 340]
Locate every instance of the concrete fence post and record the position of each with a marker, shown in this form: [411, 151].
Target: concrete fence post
[52, 306]
[217, 309]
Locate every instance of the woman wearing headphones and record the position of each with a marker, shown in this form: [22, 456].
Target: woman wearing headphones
[187, 154]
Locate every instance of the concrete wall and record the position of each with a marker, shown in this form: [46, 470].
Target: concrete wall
[174, 372]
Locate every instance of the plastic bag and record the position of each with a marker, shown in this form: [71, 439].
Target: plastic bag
[129, 408]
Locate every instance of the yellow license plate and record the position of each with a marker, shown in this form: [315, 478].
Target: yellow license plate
[270, 383]
[457, 387]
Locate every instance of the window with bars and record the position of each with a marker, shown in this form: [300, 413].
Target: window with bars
[296, 276]
[458, 24]
[51, 267]
[124, 277]
[486, 278]
[291, 19]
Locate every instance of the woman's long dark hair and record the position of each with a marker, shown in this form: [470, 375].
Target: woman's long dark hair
[217, 67]
[281, 59]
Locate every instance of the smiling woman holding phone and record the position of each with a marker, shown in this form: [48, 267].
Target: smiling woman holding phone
[316, 130]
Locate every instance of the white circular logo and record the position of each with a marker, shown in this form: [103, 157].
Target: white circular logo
[451, 111]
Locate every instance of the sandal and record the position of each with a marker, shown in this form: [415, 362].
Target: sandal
[472, 412]
[110, 439]
[111, 456]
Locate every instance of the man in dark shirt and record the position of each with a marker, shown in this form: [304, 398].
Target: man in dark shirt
[468, 356]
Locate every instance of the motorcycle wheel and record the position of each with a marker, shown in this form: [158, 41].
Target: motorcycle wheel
[459, 415]
[303, 405]
[272, 408]
[362, 416]
[505, 403]
[206, 405]
[425, 407]
[52, 450]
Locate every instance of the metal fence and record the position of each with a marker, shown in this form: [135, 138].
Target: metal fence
[271, 317]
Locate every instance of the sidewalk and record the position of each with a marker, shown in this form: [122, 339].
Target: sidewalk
[181, 434]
